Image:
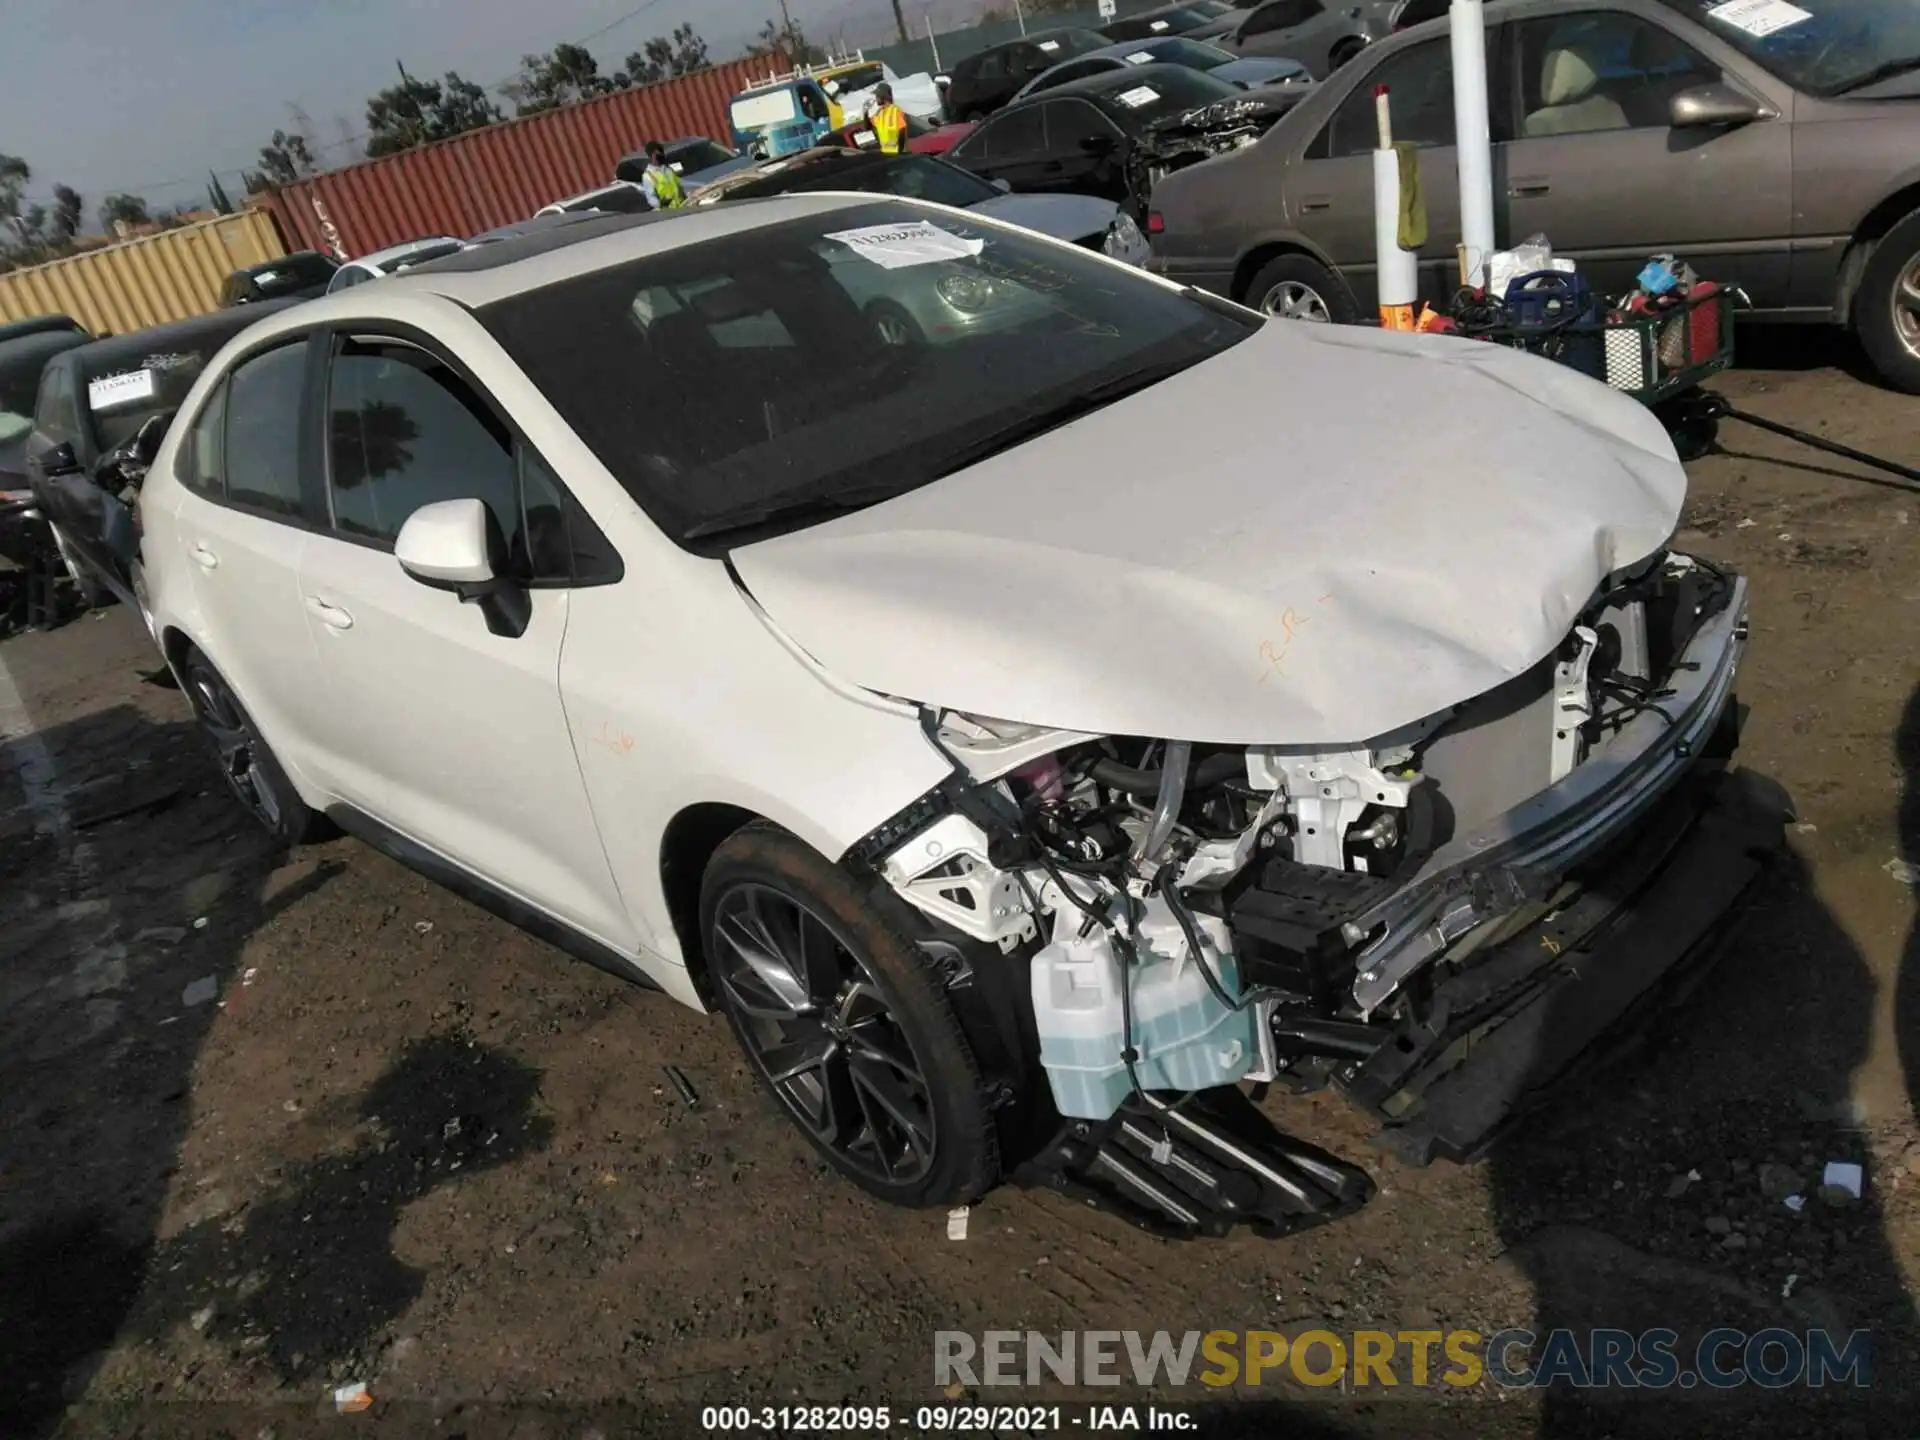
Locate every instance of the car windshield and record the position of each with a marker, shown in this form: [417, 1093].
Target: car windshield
[123, 392]
[1189, 54]
[696, 156]
[1164, 92]
[274, 281]
[1824, 47]
[916, 177]
[1172, 22]
[759, 380]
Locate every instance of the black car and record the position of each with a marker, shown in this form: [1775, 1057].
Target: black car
[93, 402]
[1113, 133]
[987, 79]
[43, 325]
[23, 359]
[303, 275]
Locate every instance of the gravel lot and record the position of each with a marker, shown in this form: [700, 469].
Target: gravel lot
[404, 1144]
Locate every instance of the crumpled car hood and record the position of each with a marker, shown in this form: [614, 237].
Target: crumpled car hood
[1315, 537]
[1063, 217]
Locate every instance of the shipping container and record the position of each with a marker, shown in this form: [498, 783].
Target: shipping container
[140, 283]
[503, 173]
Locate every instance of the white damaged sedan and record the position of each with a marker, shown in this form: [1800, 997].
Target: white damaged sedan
[1031, 741]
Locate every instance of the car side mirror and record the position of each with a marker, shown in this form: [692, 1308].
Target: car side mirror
[456, 545]
[1710, 105]
[943, 81]
[145, 443]
[57, 459]
[1003, 185]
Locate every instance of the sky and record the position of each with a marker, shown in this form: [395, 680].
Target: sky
[145, 96]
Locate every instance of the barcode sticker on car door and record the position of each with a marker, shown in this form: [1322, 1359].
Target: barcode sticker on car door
[899, 247]
[112, 390]
[1758, 18]
[1140, 95]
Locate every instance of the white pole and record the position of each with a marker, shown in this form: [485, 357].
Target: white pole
[1398, 270]
[1472, 136]
[1020, 15]
[932, 43]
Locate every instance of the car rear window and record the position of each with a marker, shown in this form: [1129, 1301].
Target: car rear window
[860, 351]
[1146, 96]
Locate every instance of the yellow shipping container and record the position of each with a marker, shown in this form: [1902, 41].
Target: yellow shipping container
[139, 283]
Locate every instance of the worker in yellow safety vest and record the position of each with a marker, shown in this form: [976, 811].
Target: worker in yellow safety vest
[663, 187]
[889, 121]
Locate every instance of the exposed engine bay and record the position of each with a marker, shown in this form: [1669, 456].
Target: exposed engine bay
[1199, 134]
[1193, 916]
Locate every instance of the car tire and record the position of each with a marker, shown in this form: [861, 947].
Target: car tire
[845, 1021]
[93, 595]
[1298, 287]
[1889, 329]
[244, 759]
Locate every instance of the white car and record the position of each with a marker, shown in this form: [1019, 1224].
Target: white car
[622, 197]
[1011, 735]
[390, 261]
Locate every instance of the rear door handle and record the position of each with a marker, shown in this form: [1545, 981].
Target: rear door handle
[331, 616]
[203, 557]
[1529, 189]
[1317, 205]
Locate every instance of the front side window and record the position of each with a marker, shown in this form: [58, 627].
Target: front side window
[1602, 71]
[1419, 83]
[1011, 135]
[1072, 122]
[775, 375]
[403, 430]
[55, 413]
[262, 457]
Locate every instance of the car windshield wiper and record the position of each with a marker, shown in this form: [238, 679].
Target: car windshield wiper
[1033, 425]
[1885, 71]
[795, 507]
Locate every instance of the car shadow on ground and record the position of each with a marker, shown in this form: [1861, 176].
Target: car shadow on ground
[1653, 1194]
[134, 883]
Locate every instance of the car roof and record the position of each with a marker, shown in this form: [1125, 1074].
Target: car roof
[1033, 39]
[37, 349]
[296, 258]
[220, 326]
[585, 242]
[838, 158]
[41, 325]
[380, 258]
[615, 187]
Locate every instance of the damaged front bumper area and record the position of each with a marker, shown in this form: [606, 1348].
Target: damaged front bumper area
[1440, 922]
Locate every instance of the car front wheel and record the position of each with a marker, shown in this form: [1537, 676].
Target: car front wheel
[1887, 309]
[845, 1021]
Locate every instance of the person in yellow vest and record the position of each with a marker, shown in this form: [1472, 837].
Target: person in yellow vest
[889, 121]
[663, 187]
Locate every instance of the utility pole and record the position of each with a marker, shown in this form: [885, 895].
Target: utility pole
[900, 22]
[1020, 15]
[786, 33]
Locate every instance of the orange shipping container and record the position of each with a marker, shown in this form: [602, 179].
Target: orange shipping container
[491, 177]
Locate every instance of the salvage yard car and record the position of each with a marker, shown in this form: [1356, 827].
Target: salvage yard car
[1773, 147]
[1175, 50]
[1001, 786]
[1117, 133]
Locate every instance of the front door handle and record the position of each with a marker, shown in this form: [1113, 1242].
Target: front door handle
[1529, 189]
[332, 616]
[1315, 205]
[203, 557]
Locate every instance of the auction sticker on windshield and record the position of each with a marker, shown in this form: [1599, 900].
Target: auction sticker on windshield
[1049, 46]
[1759, 18]
[899, 247]
[127, 389]
[1140, 95]
[1140, 57]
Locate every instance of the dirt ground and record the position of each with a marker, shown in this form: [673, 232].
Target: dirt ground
[402, 1144]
